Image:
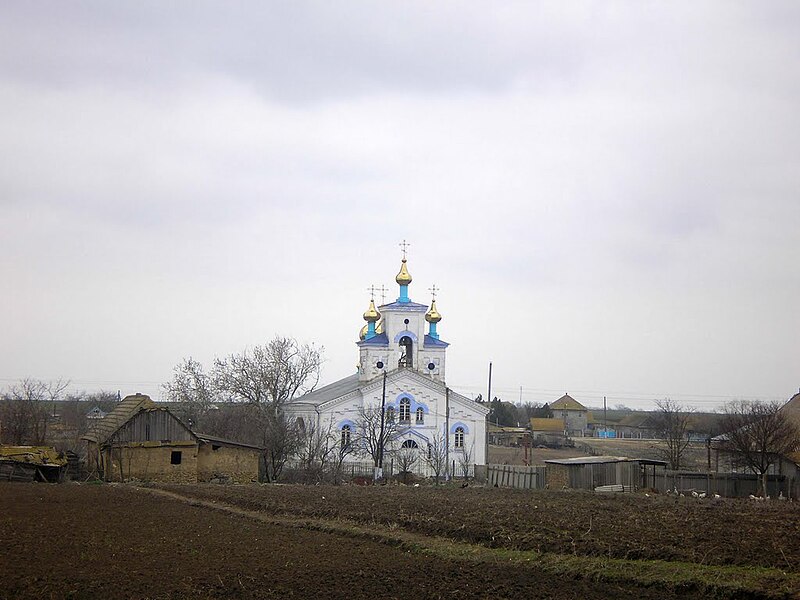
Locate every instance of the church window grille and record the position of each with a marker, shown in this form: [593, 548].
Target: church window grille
[390, 413]
[345, 436]
[420, 416]
[410, 444]
[405, 410]
[406, 346]
[459, 441]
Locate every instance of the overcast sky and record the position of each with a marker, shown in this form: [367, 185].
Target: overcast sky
[606, 194]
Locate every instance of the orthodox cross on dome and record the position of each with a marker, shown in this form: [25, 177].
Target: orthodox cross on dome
[404, 246]
[383, 291]
[433, 289]
[372, 289]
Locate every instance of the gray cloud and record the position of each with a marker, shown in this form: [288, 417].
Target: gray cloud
[619, 180]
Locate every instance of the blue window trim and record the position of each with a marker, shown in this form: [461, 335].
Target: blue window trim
[459, 424]
[405, 333]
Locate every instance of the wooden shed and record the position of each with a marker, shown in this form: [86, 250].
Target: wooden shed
[141, 440]
[592, 472]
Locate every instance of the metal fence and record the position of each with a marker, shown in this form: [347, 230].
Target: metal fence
[732, 485]
[420, 468]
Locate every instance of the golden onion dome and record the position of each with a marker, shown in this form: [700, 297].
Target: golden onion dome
[362, 333]
[372, 314]
[403, 277]
[433, 316]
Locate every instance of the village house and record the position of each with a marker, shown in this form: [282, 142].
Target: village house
[507, 436]
[574, 415]
[141, 440]
[547, 431]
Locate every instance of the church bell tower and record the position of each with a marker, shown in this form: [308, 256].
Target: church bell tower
[394, 335]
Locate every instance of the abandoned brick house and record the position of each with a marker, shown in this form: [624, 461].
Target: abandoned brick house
[141, 440]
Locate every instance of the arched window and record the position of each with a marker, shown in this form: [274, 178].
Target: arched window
[390, 413]
[420, 416]
[409, 444]
[405, 410]
[405, 352]
[345, 436]
[459, 441]
[301, 425]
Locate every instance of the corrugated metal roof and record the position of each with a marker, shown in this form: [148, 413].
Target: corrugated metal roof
[212, 439]
[331, 391]
[588, 460]
[106, 427]
[595, 460]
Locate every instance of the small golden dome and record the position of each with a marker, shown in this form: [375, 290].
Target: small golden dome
[433, 316]
[362, 334]
[372, 314]
[403, 277]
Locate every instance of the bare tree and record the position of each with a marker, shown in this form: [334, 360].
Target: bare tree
[406, 458]
[436, 457]
[25, 411]
[280, 439]
[671, 421]
[318, 449]
[757, 435]
[465, 460]
[193, 390]
[372, 436]
[346, 448]
[270, 374]
[264, 378]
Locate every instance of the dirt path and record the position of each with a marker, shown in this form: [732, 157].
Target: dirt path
[671, 578]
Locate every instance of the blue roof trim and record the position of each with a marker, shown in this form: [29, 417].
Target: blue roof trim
[406, 306]
[429, 341]
[379, 340]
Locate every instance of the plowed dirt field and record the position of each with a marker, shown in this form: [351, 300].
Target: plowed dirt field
[117, 541]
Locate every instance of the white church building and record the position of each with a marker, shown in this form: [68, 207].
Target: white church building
[395, 350]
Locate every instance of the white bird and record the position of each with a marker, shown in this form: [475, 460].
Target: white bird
[717, 496]
[695, 494]
[702, 495]
[781, 496]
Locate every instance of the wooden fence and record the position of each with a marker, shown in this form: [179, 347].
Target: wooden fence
[526, 478]
[591, 476]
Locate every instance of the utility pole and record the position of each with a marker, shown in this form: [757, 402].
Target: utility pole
[446, 434]
[488, 417]
[605, 418]
[379, 468]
